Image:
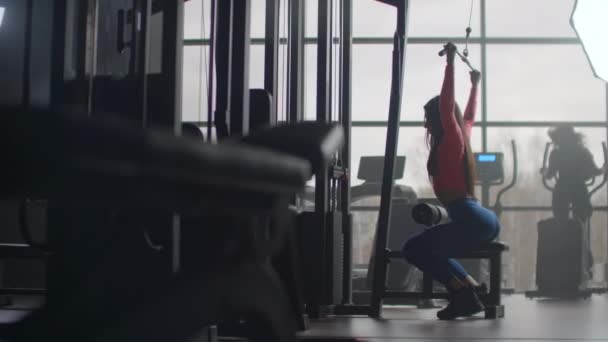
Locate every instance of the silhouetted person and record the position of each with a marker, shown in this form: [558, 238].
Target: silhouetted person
[572, 165]
[452, 170]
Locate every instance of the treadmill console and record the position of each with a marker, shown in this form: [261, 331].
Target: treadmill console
[489, 167]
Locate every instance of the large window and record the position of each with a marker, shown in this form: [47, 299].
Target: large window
[443, 18]
[542, 83]
[529, 18]
[535, 75]
[194, 90]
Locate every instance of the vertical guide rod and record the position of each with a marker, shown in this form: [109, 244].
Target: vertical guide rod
[484, 63]
[323, 115]
[81, 39]
[27, 52]
[271, 55]
[173, 38]
[213, 32]
[345, 106]
[392, 138]
[295, 75]
[606, 264]
[91, 50]
[485, 188]
[145, 10]
[239, 102]
[58, 54]
[223, 50]
[323, 96]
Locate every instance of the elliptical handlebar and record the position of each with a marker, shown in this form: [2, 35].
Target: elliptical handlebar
[498, 204]
[605, 178]
[545, 157]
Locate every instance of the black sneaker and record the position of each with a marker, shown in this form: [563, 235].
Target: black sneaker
[462, 304]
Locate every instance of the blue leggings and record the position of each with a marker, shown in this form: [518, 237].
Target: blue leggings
[471, 226]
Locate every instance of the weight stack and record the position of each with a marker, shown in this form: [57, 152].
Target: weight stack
[321, 257]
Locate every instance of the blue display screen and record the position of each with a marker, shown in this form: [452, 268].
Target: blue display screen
[486, 158]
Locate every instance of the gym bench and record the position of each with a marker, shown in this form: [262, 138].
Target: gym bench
[491, 299]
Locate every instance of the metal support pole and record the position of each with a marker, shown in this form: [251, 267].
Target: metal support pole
[143, 45]
[323, 96]
[392, 138]
[173, 34]
[27, 48]
[223, 47]
[92, 28]
[346, 121]
[271, 54]
[172, 59]
[295, 76]
[484, 77]
[322, 180]
[135, 31]
[81, 39]
[211, 69]
[239, 103]
[485, 188]
[606, 131]
[57, 58]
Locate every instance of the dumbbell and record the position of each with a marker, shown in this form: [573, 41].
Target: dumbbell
[430, 215]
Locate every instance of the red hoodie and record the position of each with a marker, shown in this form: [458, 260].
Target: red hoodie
[450, 173]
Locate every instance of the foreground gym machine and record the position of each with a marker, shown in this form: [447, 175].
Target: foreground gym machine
[106, 177]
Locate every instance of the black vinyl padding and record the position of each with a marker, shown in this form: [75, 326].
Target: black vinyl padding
[45, 151]
[314, 141]
[21, 251]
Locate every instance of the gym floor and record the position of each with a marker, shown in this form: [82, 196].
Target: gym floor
[526, 320]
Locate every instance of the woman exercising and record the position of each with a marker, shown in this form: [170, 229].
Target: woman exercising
[451, 169]
[571, 164]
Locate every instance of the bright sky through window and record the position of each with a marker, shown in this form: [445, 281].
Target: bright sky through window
[589, 20]
[1, 15]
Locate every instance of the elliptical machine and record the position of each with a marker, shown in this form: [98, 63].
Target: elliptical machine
[563, 260]
[490, 172]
